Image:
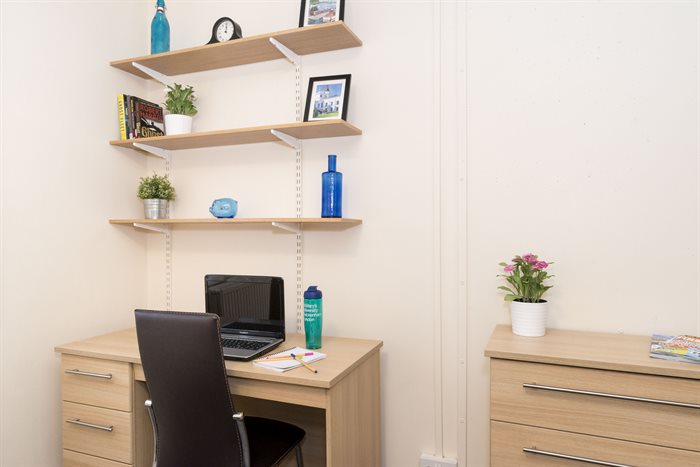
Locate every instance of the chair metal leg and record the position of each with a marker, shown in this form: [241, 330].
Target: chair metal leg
[300, 460]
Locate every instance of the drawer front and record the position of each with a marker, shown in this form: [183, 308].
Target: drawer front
[76, 459]
[633, 420]
[97, 431]
[93, 381]
[508, 441]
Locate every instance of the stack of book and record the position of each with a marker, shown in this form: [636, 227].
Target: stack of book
[677, 348]
[139, 118]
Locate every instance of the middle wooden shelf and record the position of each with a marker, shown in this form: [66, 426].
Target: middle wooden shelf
[252, 135]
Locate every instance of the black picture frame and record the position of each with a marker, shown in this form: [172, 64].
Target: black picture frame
[312, 98]
[303, 16]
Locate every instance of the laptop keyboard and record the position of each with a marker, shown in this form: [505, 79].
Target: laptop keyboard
[242, 344]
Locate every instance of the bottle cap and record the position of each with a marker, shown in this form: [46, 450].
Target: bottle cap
[331, 162]
[312, 293]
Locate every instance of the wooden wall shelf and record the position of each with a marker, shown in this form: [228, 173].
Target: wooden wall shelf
[285, 223]
[254, 49]
[260, 134]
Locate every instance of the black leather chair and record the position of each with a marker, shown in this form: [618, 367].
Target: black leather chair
[194, 421]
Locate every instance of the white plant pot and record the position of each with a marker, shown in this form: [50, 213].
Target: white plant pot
[176, 124]
[528, 319]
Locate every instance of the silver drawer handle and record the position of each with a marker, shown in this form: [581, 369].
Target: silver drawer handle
[87, 373]
[613, 396]
[77, 421]
[573, 458]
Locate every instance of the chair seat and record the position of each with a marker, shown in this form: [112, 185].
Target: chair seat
[271, 440]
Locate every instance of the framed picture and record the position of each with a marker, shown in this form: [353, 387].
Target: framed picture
[320, 12]
[327, 98]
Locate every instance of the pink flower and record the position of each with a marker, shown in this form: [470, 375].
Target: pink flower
[540, 265]
[530, 258]
[509, 268]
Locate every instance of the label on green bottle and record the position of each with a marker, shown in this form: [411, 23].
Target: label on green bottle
[313, 322]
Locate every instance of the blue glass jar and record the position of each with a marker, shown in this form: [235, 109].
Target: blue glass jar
[160, 30]
[332, 190]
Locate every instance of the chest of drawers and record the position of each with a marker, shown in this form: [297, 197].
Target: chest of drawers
[97, 412]
[576, 398]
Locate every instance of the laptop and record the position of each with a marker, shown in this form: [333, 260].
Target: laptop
[251, 311]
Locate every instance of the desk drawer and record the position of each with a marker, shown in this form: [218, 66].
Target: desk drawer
[633, 420]
[508, 441]
[99, 432]
[76, 459]
[93, 381]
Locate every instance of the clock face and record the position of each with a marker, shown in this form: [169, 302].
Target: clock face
[224, 31]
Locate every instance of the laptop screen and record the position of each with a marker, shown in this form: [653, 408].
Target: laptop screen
[246, 304]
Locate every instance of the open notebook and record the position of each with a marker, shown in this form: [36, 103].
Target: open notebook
[286, 365]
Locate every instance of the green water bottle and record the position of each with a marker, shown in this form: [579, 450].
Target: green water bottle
[313, 317]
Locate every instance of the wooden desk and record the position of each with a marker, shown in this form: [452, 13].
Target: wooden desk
[338, 407]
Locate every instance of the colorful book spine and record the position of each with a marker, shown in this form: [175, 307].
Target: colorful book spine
[148, 119]
[122, 117]
[132, 117]
[139, 118]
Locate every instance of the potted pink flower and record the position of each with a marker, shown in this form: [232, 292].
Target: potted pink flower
[526, 275]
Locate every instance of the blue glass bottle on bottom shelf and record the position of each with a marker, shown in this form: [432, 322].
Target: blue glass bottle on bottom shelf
[160, 30]
[331, 190]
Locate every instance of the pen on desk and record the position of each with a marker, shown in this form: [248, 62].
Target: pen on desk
[283, 357]
[308, 367]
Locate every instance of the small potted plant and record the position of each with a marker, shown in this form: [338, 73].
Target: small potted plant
[526, 276]
[156, 191]
[179, 101]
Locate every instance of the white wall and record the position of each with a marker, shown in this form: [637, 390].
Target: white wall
[66, 273]
[595, 102]
[376, 278]
[582, 147]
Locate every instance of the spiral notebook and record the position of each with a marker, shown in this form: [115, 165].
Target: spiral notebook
[286, 365]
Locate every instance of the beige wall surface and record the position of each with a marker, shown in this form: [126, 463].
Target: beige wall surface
[582, 148]
[580, 145]
[66, 273]
[376, 278]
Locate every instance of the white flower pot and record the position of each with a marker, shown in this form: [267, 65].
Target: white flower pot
[176, 124]
[528, 319]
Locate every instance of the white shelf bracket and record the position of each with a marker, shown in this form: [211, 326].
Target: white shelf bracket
[293, 227]
[157, 75]
[285, 138]
[152, 227]
[291, 56]
[159, 152]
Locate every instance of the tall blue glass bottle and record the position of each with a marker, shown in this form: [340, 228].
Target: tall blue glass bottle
[160, 30]
[331, 190]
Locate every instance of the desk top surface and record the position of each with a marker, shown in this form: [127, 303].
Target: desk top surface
[343, 355]
[620, 352]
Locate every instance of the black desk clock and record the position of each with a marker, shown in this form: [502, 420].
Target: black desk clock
[225, 29]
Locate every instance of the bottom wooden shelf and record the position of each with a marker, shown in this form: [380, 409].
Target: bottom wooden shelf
[285, 223]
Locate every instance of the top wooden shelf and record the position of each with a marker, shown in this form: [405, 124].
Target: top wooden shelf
[619, 352]
[254, 49]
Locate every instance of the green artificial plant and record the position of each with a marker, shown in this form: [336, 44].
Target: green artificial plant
[156, 187]
[180, 100]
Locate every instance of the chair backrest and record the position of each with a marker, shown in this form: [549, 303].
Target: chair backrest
[186, 377]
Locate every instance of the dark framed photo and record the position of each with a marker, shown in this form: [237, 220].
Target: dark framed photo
[320, 12]
[327, 98]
